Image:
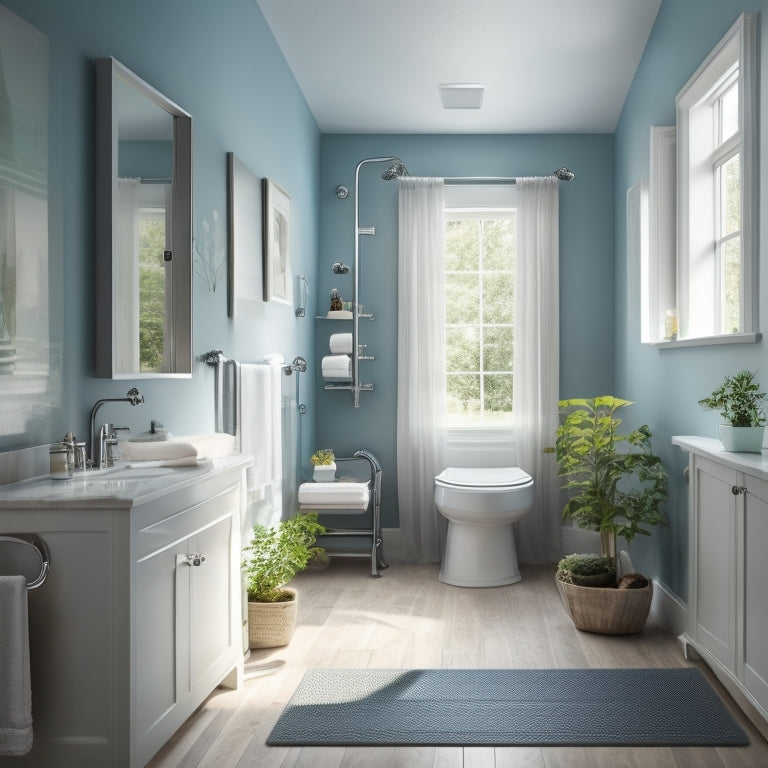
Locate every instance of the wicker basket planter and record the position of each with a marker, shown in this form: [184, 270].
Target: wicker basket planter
[271, 625]
[605, 610]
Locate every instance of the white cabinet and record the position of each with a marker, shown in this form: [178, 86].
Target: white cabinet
[728, 569]
[140, 617]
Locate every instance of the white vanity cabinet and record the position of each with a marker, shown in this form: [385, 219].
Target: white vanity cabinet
[728, 569]
[140, 616]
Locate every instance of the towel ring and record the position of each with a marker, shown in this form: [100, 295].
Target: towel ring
[38, 544]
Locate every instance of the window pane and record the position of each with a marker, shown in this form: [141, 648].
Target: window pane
[497, 349]
[497, 297]
[731, 286]
[729, 113]
[730, 182]
[464, 395]
[498, 243]
[498, 395]
[151, 294]
[462, 349]
[462, 299]
[462, 245]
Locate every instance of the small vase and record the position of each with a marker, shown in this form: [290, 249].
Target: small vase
[741, 439]
[324, 473]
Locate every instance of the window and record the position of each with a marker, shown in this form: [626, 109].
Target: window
[480, 233]
[716, 254]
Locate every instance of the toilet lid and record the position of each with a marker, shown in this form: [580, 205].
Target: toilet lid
[483, 477]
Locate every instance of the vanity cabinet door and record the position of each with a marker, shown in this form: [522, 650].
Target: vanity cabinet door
[714, 559]
[186, 617]
[755, 595]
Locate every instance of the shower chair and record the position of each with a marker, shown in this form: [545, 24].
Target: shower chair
[364, 541]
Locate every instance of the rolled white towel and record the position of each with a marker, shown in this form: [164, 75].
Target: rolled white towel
[334, 495]
[337, 367]
[341, 343]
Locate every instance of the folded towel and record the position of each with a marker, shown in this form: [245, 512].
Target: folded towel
[15, 687]
[337, 367]
[341, 343]
[193, 448]
[334, 495]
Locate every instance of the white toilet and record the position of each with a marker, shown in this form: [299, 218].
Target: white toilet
[481, 504]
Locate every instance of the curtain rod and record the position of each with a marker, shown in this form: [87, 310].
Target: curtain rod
[561, 174]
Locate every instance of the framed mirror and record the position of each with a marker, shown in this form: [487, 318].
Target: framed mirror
[143, 212]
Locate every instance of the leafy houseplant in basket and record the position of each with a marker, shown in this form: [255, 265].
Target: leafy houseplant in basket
[741, 404]
[617, 488]
[273, 557]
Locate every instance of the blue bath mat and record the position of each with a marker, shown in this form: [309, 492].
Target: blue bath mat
[631, 707]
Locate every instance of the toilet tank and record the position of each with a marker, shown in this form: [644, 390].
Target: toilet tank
[475, 447]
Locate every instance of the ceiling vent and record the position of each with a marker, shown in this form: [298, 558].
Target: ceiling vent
[462, 95]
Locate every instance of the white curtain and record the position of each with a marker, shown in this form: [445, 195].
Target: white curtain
[536, 363]
[125, 276]
[420, 365]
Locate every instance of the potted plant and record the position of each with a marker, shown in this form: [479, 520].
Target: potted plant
[324, 465]
[741, 404]
[271, 559]
[617, 488]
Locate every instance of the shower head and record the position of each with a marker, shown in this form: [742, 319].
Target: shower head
[564, 174]
[395, 171]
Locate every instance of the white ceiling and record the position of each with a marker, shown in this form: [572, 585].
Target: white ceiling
[549, 66]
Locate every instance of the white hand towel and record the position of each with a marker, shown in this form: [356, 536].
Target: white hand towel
[158, 451]
[15, 687]
[337, 367]
[341, 343]
[256, 422]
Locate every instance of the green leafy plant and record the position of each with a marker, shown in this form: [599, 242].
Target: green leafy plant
[276, 554]
[617, 484]
[739, 400]
[322, 457]
[587, 570]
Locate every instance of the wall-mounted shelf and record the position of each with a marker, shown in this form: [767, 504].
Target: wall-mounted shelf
[362, 315]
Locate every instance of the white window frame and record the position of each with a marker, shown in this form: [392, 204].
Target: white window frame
[475, 201]
[739, 45]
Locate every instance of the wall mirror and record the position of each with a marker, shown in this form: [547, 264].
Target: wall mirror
[143, 212]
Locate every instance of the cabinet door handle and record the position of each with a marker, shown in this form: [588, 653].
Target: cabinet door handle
[737, 489]
[194, 559]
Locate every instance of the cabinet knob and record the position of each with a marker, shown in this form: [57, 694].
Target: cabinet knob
[737, 489]
[195, 559]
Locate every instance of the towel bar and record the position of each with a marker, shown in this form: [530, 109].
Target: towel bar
[38, 544]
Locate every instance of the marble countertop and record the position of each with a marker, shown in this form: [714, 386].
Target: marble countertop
[118, 486]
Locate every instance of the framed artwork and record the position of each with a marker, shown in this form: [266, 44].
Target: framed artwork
[278, 279]
[245, 279]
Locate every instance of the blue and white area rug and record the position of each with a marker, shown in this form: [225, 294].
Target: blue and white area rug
[494, 707]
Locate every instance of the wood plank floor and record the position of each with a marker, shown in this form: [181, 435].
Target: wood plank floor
[408, 619]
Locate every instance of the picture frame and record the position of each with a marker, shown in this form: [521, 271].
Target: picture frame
[278, 278]
[245, 286]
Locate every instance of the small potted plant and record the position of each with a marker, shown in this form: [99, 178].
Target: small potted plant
[617, 488]
[272, 558]
[741, 404]
[324, 465]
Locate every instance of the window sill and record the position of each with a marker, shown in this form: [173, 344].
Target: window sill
[705, 341]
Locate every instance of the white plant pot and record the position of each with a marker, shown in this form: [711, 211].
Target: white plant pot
[741, 439]
[325, 473]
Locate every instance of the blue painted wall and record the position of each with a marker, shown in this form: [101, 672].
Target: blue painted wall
[667, 384]
[220, 62]
[586, 265]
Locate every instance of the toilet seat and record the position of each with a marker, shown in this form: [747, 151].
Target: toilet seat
[499, 478]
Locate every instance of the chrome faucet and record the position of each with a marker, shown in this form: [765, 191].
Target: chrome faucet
[100, 441]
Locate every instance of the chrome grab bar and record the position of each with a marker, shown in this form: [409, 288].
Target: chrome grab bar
[34, 541]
